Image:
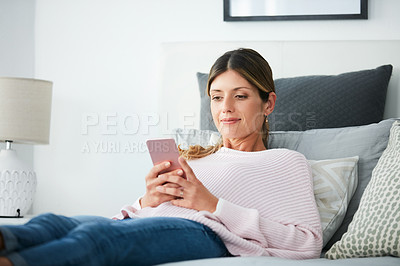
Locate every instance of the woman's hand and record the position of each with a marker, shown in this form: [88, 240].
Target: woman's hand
[190, 192]
[153, 198]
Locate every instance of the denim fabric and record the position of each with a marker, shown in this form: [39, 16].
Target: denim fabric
[89, 240]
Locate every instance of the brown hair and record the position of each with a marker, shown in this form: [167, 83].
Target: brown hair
[252, 67]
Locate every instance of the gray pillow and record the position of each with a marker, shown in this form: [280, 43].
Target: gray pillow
[206, 121]
[368, 142]
[310, 102]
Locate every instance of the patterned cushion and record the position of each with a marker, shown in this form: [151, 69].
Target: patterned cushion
[375, 229]
[310, 102]
[335, 182]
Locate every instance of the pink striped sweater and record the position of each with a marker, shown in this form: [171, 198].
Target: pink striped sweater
[266, 203]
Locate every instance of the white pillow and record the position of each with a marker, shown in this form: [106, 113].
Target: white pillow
[187, 137]
[335, 182]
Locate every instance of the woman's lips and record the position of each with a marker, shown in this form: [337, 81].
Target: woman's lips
[230, 120]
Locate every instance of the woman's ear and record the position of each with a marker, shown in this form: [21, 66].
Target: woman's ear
[270, 104]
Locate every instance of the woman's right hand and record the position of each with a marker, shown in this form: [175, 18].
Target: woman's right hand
[153, 198]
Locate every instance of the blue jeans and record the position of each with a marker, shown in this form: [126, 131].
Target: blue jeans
[90, 240]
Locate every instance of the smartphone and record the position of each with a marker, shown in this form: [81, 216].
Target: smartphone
[164, 150]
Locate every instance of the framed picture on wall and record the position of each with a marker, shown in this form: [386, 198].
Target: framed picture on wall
[261, 10]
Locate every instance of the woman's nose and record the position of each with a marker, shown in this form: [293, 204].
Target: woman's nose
[227, 106]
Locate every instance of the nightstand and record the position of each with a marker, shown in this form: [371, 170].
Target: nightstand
[15, 221]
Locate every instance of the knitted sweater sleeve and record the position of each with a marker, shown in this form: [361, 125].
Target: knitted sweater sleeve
[290, 230]
[128, 211]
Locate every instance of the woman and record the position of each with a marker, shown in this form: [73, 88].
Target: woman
[238, 199]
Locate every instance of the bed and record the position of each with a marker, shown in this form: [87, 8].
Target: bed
[338, 100]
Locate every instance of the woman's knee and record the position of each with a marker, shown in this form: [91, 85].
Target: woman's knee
[91, 218]
[92, 232]
[43, 217]
[52, 225]
[54, 220]
[94, 239]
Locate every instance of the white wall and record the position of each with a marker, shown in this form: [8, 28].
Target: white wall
[103, 57]
[17, 19]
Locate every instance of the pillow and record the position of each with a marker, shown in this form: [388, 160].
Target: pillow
[368, 142]
[311, 102]
[206, 120]
[335, 182]
[375, 229]
[187, 137]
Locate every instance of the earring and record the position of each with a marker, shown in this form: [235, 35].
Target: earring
[266, 118]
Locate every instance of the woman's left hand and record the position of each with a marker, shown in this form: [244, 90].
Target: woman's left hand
[191, 193]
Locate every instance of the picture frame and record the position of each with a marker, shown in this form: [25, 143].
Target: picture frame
[267, 10]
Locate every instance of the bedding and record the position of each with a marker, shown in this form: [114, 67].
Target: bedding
[273, 261]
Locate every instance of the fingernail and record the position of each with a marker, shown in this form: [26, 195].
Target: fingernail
[180, 172]
[161, 176]
[167, 164]
[159, 188]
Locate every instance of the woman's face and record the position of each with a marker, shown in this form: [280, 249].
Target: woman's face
[236, 106]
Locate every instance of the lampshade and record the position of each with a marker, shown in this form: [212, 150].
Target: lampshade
[25, 108]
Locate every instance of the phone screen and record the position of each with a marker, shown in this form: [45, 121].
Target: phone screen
[164, 150]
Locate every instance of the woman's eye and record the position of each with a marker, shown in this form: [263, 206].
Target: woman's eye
[241, 96]
[216, 98]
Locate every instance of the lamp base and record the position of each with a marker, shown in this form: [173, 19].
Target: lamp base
[17, 186]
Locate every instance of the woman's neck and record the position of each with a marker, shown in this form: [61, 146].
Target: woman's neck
[249, 143]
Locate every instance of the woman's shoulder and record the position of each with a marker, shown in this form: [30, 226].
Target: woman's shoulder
[267, 152]
[291, 153]
[279, 154]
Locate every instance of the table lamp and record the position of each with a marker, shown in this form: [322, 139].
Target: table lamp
[25, 109]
